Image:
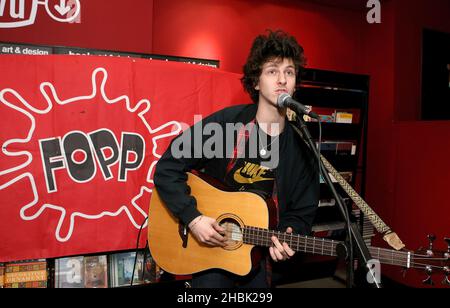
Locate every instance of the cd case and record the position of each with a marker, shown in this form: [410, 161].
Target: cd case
[81, 272]
[121, 269]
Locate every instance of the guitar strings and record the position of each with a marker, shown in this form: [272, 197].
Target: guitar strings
[323, 245]
[392, 258]
[395, 257]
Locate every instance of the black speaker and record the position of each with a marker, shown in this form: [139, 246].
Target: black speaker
[435, 75]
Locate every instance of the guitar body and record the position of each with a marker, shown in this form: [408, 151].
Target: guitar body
[165, 234]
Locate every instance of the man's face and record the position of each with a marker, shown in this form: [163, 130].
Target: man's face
[277, 77]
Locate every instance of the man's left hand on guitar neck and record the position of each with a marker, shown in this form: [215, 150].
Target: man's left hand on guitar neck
[280, 252]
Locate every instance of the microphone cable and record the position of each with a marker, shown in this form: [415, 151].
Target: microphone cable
[137, 250]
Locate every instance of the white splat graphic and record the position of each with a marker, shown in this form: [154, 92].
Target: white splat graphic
[29, 111]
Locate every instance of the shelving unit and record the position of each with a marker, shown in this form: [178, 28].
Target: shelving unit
[326, 92]
[338, 91]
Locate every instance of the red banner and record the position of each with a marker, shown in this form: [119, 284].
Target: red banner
[80, 137]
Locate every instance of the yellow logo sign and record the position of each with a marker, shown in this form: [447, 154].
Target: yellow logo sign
[251, 173]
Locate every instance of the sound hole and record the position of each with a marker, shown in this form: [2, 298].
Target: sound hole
[233, 233]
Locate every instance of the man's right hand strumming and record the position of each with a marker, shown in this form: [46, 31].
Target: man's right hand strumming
[207, 231]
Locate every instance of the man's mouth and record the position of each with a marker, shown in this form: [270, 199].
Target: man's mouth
[279, 91]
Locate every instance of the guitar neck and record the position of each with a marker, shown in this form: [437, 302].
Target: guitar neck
[320, 246]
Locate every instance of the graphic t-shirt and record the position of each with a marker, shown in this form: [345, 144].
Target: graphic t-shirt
[255, 170]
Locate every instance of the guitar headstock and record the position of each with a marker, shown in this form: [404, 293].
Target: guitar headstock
[432, 261]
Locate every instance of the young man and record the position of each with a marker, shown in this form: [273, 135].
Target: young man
[281, 167]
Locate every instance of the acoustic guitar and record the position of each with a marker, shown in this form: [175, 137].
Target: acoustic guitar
[246, 219]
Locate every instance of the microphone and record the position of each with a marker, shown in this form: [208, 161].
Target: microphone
[285, 100]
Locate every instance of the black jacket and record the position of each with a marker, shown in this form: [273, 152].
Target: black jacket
[297, 177]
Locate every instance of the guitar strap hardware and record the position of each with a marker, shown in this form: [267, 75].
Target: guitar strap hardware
[182, 231]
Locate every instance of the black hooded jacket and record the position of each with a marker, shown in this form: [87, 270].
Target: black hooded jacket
[297, 176]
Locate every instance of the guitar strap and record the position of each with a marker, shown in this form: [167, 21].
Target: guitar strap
[242, 138]
[388, 235]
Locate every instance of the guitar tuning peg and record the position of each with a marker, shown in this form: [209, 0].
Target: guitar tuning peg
[447, 240]
[431, 238]
[428, 280]
[446, 281]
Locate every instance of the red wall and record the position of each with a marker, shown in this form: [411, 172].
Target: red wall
[422, 175]
[225, 29]
[379, 60]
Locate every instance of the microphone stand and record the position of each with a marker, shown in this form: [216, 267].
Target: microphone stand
[353, 234]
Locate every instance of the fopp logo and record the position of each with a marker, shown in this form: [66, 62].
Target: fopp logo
[86, 157]
[22, 13]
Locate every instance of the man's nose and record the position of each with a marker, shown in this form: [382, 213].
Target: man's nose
[281, 79]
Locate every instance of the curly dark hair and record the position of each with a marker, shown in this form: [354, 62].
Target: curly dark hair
[276, 44]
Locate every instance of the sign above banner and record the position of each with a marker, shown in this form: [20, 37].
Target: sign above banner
[41, 50]
[22, 13]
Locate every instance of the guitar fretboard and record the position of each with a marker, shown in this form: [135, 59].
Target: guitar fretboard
[320, 246]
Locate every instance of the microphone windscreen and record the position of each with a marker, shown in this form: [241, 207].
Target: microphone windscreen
[283, 99]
